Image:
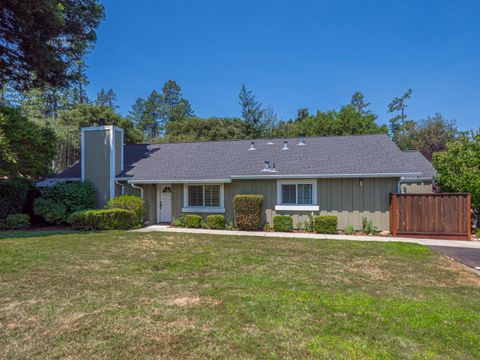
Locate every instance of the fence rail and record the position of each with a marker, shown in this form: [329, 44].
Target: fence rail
[440, 216]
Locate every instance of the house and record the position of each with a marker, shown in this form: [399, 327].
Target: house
[350, 177]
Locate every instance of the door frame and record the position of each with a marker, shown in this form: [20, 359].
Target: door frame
[159, 199]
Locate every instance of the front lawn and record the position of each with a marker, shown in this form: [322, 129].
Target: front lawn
[137, 295]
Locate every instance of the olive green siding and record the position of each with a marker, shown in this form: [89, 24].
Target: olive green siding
[96, 162]
[419, 187]
[348, 199]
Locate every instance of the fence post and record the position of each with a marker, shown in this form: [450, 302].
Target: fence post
[469, 216]
[393, 214]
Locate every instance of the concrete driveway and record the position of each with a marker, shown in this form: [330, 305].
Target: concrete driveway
[466, 256]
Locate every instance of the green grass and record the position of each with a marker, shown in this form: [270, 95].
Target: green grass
[158, 295]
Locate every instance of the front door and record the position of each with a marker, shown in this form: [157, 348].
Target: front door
[164, 203]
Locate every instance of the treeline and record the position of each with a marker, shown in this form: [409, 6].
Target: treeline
[43, 104]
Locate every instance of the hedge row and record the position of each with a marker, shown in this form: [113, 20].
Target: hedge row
[195, 221]
[103, 219]
[247, 211]
[321, 224]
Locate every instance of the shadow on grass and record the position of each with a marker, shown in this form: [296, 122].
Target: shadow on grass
[34, 233]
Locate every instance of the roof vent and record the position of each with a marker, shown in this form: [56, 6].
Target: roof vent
[252, 146]
[267, 167]
[285, 145]
[270, 142]
[302, 140]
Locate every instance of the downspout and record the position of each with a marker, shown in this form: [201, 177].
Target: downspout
[138, 187]
[121, 185]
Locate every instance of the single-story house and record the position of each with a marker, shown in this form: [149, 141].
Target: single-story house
[350, 177]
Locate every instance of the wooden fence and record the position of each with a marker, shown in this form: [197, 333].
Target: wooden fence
[440, 216]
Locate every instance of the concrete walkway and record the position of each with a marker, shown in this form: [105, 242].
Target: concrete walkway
[427, 242]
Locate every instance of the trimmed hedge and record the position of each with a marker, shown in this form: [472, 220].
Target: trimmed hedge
[13, 195]
[215, 222]
[325, 224]
[103, 219]
[15, 222]
[247, 211]
[192, 221]
[129, 202]
[282, 223]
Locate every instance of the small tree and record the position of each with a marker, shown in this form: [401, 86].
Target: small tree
[458, 168]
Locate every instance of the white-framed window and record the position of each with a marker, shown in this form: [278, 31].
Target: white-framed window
[298, 194]
[203, 198]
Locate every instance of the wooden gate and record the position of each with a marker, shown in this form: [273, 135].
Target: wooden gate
[439, 216]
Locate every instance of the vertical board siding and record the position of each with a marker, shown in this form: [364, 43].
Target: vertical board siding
[344, 198]
[445, 216]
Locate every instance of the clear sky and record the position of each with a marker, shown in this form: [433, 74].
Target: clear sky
[294, 54]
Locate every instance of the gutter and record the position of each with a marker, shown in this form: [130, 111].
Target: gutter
[137, 187]
[205, 181]
[120, 184]
[328, 176]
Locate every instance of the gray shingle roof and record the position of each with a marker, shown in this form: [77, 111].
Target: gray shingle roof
[421, 162]
[321, 156]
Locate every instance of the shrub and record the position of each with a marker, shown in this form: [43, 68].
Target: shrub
[267, 227]
[478, 233]
[129, 202]
[103, 219]
[348, 229]
[216, 222]
[247, 211]
[75, 196]
[309, 224]
[13, 195]
[325, 224]
[368, 227]
[179, 222]
[192, 221]
[282, 223]
[16, 222]
[52, 211]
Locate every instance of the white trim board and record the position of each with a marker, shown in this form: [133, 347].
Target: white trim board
[312, 182]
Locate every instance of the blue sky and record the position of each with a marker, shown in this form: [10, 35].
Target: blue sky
[294, 54]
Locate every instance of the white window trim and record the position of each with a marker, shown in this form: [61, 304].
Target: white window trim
[203, 209]
[297, 207]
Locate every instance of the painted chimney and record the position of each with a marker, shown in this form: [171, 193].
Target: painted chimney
[101, 159]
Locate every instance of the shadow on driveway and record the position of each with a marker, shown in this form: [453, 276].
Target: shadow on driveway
[469, 257]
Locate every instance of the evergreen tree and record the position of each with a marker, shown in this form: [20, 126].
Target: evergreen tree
[174, 106]
[358, 102]
[399, 123]
[256, 124]
[106, 98]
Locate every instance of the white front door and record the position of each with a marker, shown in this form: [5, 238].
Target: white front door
[164, 209]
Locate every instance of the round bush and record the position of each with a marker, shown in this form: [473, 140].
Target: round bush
[129, 202]
[192, 221]
[325, 224]
[50, 210]
[282, 223]
[215, 222]
[17, 221]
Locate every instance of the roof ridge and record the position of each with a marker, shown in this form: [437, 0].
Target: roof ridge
[257, 139]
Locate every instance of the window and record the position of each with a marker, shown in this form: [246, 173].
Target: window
[195, 195]
[204, 195]
[297, 194]
[289, 194]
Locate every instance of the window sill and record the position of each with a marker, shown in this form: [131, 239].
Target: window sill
[297, 207]
[201, 209]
